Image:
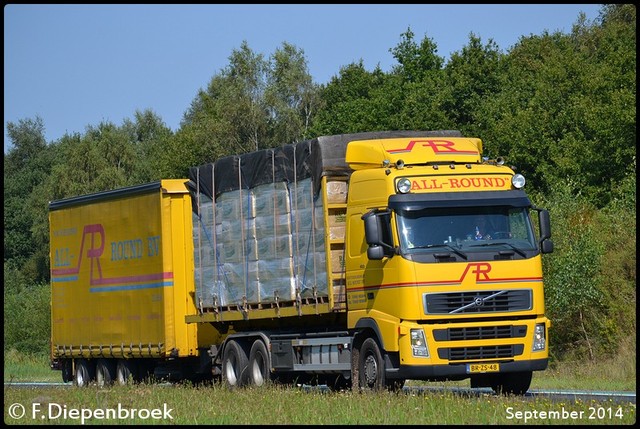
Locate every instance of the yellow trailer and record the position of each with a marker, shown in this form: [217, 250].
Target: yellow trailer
[121, 281]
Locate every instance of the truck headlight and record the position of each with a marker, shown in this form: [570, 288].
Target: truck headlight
[419, 343]
[518, 181]
[404, 185]
[539, 338]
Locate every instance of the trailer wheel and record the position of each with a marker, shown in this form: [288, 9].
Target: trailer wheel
[259, 364]
[67, 370]
[105, 372]
[234, 365]
[85, 373]
[126, 371]
[370, 366]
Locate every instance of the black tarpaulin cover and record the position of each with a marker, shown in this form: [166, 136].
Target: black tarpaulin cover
[289, 163]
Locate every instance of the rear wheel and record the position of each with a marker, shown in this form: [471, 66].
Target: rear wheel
[126, 371]
[85, 373]
[105, 372]
[259, 364]
[234, 365]
[67, 370]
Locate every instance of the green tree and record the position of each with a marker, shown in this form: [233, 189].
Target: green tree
[290, 95]
[150, 137]
[409, 97]
[102, 159]
[573, 296]
[415, 90]
[566, 111]
[416, 61]
[349, 102]
[26, 166]
[229, 117]
[252, 104]
[472, 76]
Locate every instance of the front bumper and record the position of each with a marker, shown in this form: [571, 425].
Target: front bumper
[459, 370]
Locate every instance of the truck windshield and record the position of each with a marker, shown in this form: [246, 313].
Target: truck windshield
[468, 228]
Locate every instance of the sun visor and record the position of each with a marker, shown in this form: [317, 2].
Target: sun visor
[512, 198]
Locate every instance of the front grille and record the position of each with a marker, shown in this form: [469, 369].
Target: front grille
[482, 352]
[479, 333]
[475, 302]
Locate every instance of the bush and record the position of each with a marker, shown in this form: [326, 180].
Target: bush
[27, 315]
[590, 277]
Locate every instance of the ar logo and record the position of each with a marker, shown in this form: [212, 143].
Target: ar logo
[480, 269]
[438, 147]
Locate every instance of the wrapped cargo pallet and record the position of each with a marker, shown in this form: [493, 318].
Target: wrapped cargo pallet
[257, 240]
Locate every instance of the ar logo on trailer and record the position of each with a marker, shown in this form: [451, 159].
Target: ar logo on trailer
[93, 239]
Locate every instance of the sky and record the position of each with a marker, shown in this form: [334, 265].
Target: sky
[80, 65]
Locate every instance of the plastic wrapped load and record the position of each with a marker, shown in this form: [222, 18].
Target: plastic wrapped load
[260, 245]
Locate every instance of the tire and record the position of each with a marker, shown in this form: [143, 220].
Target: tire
[126, 371]
[259, 364]
[370, 371]
[85, 373]
[235, 365]
[105, 372]
[67, 370]
[512, 383]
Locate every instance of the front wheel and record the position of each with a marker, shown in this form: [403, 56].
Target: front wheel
[370, 371]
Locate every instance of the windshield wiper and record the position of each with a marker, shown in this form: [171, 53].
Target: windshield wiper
[448, 246]
[497, 243]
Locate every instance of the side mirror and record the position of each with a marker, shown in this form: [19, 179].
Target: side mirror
[377, 227]
[375, 252]
[371, 228]
[546, 245]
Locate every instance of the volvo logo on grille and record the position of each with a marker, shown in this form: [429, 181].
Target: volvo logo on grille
[478, 301]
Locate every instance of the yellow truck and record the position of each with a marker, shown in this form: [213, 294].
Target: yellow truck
[355, 260]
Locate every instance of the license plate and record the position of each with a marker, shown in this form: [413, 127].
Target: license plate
[482, 367]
